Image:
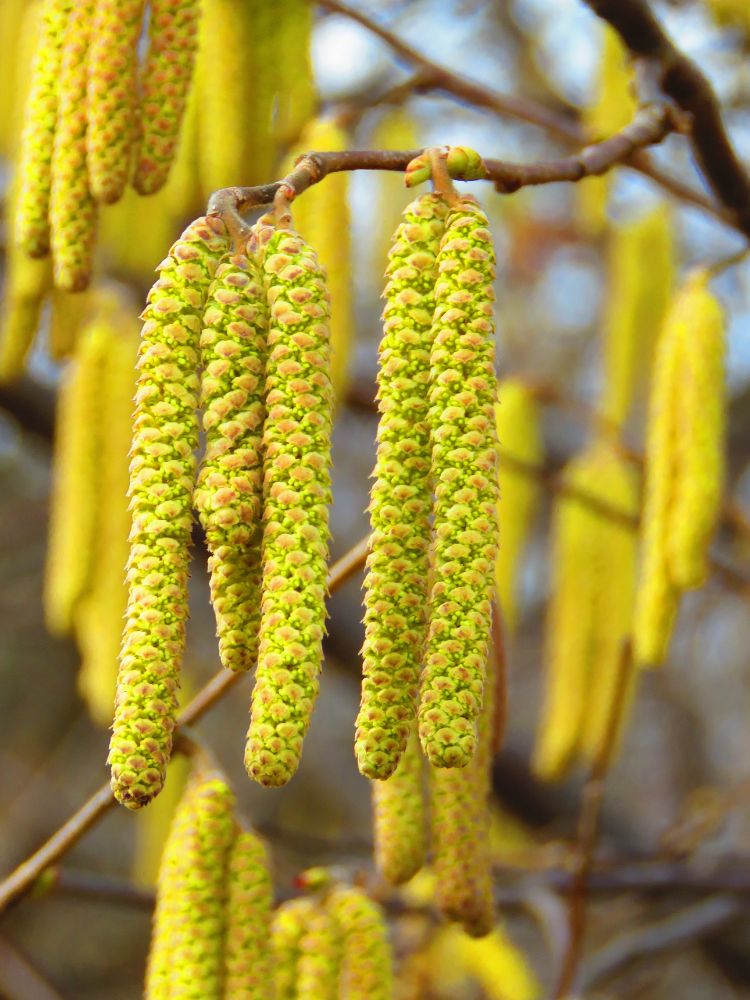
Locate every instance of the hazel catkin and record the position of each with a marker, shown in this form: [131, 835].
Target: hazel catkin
[399, 816]
[247, 958]
[367, 962]
[287, 927]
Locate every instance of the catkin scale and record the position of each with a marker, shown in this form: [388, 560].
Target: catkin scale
[464, 443]
[400, 499]
[367, 972]
[247, 959]
[72, 209]
[297, 441]
[229, 493]
[111, 96]
[165, 438]
[164, 82]
[399, 816]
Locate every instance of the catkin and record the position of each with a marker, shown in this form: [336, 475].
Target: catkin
[72, 209]
[111, 96]
[399, 816]
[229, 494]
[165, 82]
[320, 954]
[521, 452]
[25, 287]
[296, 90]
[400, 500]
[187, 954]
[165, 437]
[296, 441]
[287, 928]
[462, 418]
[247, 959]
[367, 962]
[461, 829]
[31, 229]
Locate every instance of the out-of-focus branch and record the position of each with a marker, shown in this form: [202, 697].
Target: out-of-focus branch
[26, 874]
[680, 79]
[19, 980]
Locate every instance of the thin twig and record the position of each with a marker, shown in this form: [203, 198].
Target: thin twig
[22, 879]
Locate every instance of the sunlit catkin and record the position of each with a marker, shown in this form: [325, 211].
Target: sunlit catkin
[320, 954]
[464, 443]
[321, 215]
[165, 81]
[111, 97]
[521, 452]
[25, 287]
[401, 496]
[461, 829]
[72, 209]
[297, 442]
[367, 962]
[296, 89]
[399, 816]
[31, 229]
[165, 437]
[248, 967]
[288, 925]
[187, 953]
[229, 494]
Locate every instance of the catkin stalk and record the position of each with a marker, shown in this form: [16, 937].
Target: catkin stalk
[464, 443]
[247, 957]
[296, 441]
[165, 437]
[367, 962]
[399, 816]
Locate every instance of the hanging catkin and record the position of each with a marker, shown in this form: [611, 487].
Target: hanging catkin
[288, 925]
[25, 287]
[165, 437]
[319, 963]
[399, 816]
[297, 442]
[367, 962]
[247, 958]
[461, 828]
[229, 494]
[187, 950]
[462, 418]
[165, 82]
[400, 499]
[111, 96]
[31, 230]
[13, 13]
[72, 209]
[296, 90]
[521, 452]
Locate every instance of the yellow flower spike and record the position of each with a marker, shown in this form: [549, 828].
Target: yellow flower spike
[31, 226]
[247, 957]
[461, 829]
[229, 494]
[72, 209]
[700, 426]
[111, 96]
[520, 438]
[320, 954]
[288, 926]
[296, 89]
[162, 471]
[165, 82]
[464, 445]
[498, 966]
[25, 288]
[399, 816]
[19, 29]
[321, 216]
[367, 961]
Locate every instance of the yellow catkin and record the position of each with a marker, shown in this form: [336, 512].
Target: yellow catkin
[320, 954]
[152, 825]
[25, 287]
[296, 90]
[98, 616]
[730, 13]
[247, 957]
[14, 67]
[461, 828]
[288, 925]
[367, 961]
[321, 215]
[636, 303]
[70, 313]
[521, 451]
[498, 966]
[399, 816]
[612, 108]
[78, 451]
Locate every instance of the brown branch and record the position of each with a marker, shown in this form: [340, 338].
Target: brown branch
[23, 878]
[19, 980]
[680, 79]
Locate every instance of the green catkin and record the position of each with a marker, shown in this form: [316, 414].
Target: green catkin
[319, 963]
[288, 925]
[165, 438]
[464, 443]
[399, 816]
[190, 915]
[247, 959]
[401, 501]
[297, 442]
[367, 962]
[31, 230]
[72, 208]
[461, 829]
[111, 96]
[165, 83]
[229, 494]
